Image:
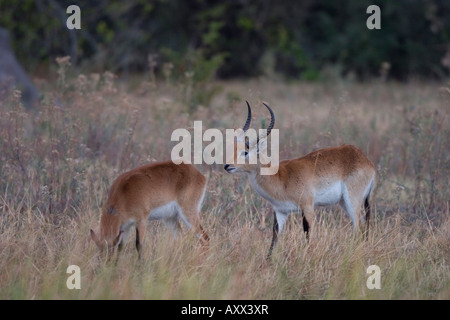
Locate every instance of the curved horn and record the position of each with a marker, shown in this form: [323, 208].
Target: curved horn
[272, 120]
[249, 117]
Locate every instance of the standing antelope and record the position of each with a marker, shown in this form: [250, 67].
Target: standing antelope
[328, 176]
[155, 191]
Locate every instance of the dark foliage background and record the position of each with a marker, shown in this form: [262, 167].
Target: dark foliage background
[241, 38]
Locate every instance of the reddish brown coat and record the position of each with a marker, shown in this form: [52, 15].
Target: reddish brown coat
[135, 194]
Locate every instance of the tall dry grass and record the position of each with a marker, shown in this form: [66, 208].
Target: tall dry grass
[58, 163]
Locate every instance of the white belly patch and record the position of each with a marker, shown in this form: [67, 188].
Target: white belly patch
[167, 211]
[331, 194]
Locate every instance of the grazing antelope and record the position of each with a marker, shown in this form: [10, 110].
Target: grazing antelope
[324, 177]
[155, 191]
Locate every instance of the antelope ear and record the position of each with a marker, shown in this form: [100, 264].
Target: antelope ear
[262, 145]
[118, 239]
[95, 238]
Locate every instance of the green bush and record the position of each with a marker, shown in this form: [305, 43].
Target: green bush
[297, 39]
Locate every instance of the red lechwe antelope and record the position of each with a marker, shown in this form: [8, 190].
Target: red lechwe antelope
[155, 191]
[328, 176]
